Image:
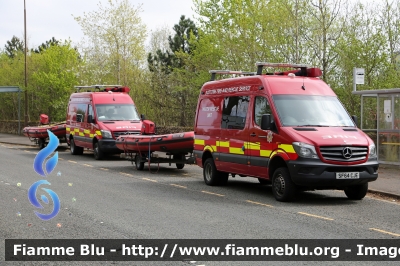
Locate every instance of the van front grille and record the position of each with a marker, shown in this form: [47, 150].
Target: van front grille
[344, 153]
[119, 133]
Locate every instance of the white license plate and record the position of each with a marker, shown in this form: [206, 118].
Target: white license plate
[348, 175]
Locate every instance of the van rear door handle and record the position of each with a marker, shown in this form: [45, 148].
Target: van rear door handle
[253, 134]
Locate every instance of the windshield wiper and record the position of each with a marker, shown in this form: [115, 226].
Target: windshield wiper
[312, 126]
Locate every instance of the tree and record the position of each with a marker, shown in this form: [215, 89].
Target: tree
[114, 43]
[14, 46]
[169, 75]
[46, 45]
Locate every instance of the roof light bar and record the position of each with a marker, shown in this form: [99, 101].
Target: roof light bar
[229, 72]
[260, 66]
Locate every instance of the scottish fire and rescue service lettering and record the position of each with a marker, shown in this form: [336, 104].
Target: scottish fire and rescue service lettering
[228, 90]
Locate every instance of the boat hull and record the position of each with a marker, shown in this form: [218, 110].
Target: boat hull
[40, 132]
[176, 143]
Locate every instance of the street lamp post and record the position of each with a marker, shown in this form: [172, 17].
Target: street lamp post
[26, 80]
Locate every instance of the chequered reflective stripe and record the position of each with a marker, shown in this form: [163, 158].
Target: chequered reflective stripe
[253, 148]
[83, 132]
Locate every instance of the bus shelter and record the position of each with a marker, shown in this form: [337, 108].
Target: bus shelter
[380, 119]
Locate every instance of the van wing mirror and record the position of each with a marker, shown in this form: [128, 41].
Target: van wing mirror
[266, 123]
[142, 117]
[90, 119]
[355, 120]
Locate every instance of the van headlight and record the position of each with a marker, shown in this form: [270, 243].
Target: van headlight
[106, 134]
[372, 151]
[305, 150]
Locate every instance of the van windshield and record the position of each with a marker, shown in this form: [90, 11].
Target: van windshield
[311, 110]
[116, 112]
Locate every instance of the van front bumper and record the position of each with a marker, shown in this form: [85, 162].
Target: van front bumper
[320, 175]
[108, 146]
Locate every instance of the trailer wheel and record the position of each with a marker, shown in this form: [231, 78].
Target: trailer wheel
[357, 192]
[74, 149]
[41, 143]
[138, 164]
[212, 176]
[179, 157]
[283, 187]
[98, 154]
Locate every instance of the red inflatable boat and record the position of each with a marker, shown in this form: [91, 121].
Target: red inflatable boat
[41, 131]
[176, 143]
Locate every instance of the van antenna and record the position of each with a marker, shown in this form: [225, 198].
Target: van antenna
[303, 87]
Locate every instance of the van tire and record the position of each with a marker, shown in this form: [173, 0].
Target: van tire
[75, 150]
[212, 176]
[357, 192]
[179, 157]
[97, 153]
[138, 164]
[283, 187]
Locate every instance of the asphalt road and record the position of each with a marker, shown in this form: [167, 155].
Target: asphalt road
[111, 200]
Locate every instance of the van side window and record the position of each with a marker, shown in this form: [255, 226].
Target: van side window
[234, 112]
[80, 113]
[261, 107]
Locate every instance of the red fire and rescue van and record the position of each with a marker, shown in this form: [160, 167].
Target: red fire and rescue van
[285, 128]
[96, 117]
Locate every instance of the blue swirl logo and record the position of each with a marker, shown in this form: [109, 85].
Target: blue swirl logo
[44, 169]
[32, 198]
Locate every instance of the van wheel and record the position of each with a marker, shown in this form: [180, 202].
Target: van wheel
[264, 181]
[357, 192]
[74, 149]
[179, 157]
[138, 164]
[212, 176]
[41, 143]
[98, 154]
[283, 187]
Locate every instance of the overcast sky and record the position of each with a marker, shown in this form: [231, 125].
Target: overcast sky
[55, 18]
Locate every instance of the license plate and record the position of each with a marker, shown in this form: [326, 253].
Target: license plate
[348, 175]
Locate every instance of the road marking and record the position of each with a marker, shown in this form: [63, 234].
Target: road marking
[175, 185]
[71, 161]
[122, 173]
[60, 159]
[385, 232]
[259, 203]
[211, 193]
[316, 216]
[148, 179]
[26, 151]
[88, 165]
[105, 169]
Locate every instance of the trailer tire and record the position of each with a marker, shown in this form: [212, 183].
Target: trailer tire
[283, 187]
[212, 176]
[74, 149]
[179, 157]
[138, 164]
[97, 153]
[357, 192]
[41, 143]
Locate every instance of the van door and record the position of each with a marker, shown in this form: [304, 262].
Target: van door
[261, 142]
[233, 154]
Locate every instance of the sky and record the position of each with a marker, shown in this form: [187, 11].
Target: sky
[55, 18]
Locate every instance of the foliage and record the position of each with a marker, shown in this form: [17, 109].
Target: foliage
[14, 46]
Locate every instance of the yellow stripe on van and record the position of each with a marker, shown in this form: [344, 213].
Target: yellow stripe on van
[236, 150]
[265, 153]
[252, 146]
[98, 132]
[199, 142]
[286, 147]
[223, 144]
